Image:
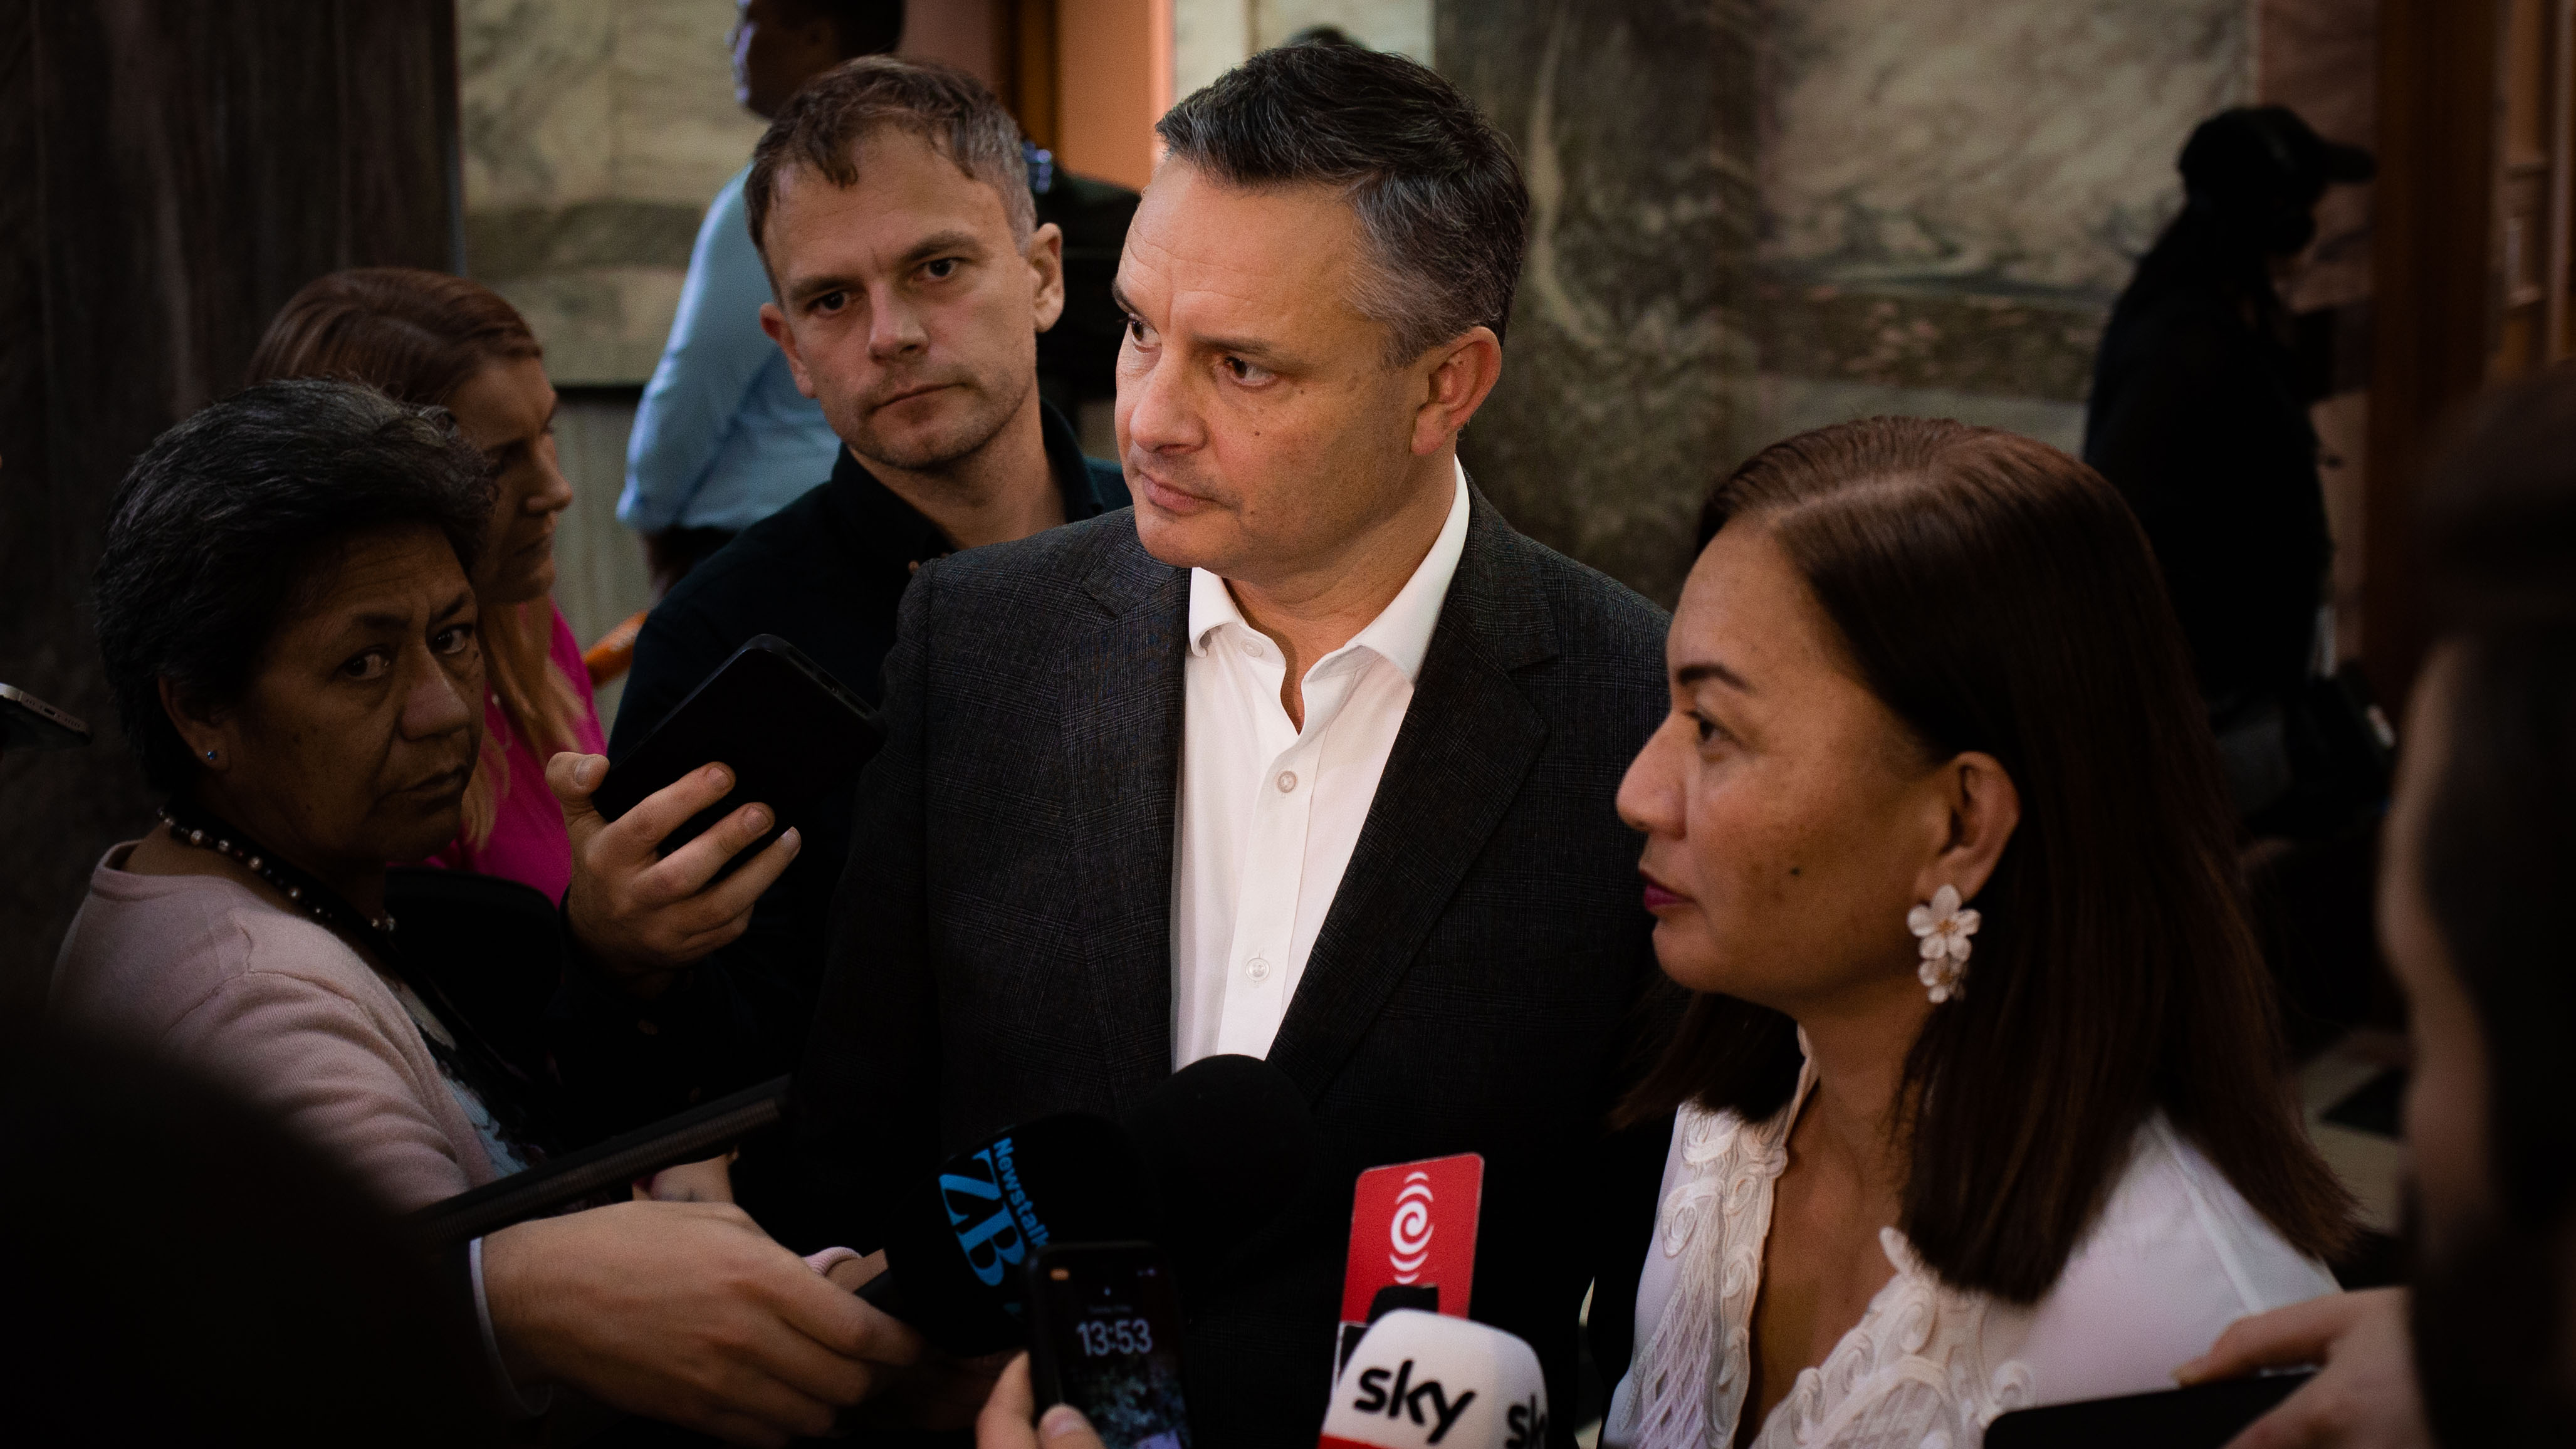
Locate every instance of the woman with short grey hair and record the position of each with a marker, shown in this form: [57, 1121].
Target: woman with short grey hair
[287, 626]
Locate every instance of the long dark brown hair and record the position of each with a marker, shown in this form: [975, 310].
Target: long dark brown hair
[1998, 596]
[418, 337]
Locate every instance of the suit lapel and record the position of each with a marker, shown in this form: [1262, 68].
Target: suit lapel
[1468, 738]
[1122, 687]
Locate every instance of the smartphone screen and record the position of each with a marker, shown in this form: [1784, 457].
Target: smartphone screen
[1106, 1336]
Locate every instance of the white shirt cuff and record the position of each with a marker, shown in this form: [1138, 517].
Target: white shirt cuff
[512, 1399]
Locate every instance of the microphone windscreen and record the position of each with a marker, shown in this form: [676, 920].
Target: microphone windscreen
[1230, 1141]
[957, 1244]
[1419, 1379]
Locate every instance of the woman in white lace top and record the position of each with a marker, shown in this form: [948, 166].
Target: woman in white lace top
[1932, 1162]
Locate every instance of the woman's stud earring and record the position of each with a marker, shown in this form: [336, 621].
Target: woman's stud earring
[210, 757]
[1943, 927]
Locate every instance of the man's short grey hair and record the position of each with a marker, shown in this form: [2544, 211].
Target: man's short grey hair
[1438, 192]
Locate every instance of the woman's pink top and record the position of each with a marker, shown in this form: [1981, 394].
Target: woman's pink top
[205, 970]
[528, 842]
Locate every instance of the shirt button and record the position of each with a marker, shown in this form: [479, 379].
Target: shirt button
[1287, 781]
[1256, 651]
[1257, 969]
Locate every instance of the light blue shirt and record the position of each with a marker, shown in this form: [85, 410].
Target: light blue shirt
[722, 438]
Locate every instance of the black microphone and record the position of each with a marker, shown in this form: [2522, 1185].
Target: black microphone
[1230, 1142]
[957, 1243]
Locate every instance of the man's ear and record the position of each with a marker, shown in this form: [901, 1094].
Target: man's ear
[1046, 264]
[1459, 375]
[1984, 808]
[774, 322]
[202, 729]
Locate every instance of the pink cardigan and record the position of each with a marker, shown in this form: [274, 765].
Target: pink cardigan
[202, 968]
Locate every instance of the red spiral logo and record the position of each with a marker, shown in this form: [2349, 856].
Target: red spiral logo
[1408, 1233]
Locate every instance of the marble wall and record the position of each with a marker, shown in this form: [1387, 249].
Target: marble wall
[1635, 124]
[1954, 191]
[594, 132]
[1210, 37]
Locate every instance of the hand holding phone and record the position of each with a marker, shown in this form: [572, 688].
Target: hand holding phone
[1105, 1337]
[1010, 1419]
[644, 914]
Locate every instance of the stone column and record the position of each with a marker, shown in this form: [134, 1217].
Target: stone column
[1635, 123]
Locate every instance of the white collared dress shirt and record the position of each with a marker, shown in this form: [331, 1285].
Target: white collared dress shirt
[1269, 812]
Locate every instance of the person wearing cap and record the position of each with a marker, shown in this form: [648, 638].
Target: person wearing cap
[2199, 412]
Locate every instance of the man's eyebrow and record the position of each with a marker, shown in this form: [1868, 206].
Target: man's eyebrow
[1690, 674]
[1250, 348]
[953, 240]
[807, 288]
[455, 606]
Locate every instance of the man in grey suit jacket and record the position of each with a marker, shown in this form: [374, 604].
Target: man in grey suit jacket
[1309, 757]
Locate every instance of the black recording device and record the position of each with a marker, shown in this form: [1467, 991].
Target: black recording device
[28, 723]
[1105, 1337]
[792, 735]
[2204, 1416]
[1207, 1159]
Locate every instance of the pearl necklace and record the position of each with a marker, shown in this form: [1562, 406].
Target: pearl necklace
[322, 903]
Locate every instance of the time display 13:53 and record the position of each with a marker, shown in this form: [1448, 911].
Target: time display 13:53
[1104, 1336]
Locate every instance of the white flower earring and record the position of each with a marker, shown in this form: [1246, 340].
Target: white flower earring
[1944, 927]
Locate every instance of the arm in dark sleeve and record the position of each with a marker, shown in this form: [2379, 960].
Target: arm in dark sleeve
[867, 1089]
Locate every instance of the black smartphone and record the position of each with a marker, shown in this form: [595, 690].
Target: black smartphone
[28, 723]
[2204, 1416]
[1105, 1337]
[791, 733]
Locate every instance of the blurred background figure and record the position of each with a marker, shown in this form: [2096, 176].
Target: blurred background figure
[2199, 416]
[433, 340]
[722, 438]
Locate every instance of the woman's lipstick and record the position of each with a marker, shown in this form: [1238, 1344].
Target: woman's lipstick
[1660, 896]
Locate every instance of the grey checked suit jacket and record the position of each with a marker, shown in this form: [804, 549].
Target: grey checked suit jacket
[1002, 947]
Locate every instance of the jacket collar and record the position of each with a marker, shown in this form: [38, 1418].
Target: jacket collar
[893, 527]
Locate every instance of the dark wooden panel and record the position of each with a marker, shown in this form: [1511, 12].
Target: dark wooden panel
[191, 163]
[2434, 293]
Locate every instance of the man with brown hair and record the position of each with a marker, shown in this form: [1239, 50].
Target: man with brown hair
[890, 203]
